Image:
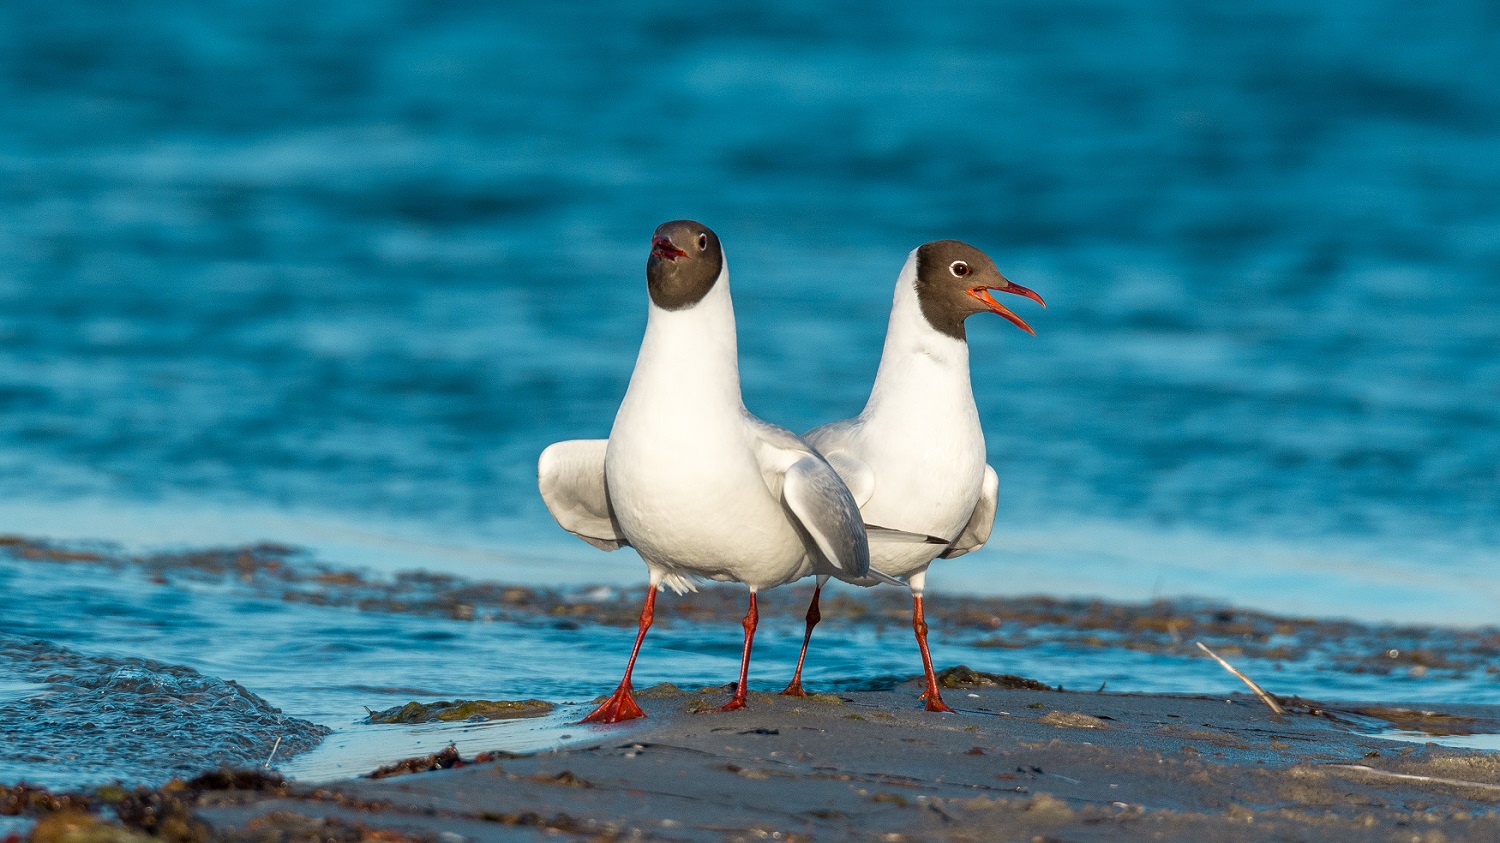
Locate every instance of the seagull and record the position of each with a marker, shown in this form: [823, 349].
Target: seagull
[914, 459]
[688, 477]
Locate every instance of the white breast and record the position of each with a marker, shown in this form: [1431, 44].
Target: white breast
[684, 481]
[919, 434]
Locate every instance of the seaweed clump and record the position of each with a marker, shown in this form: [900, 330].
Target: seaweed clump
[1432, 723]
[462, 710]
[26, 800]
[445, 759]
[140, 815]
[963, 676]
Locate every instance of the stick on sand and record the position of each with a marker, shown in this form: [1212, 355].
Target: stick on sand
[1266, 698]
[275, 747]
[1411, 777]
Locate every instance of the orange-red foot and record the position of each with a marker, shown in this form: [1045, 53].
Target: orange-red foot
[935, 703]
[617, 709]
[794, 690]
[736, 702]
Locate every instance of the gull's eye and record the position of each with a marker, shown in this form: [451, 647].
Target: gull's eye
[959, 269]
[702, 242]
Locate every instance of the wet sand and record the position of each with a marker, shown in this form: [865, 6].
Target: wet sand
[1016, 762]
[1010, 765]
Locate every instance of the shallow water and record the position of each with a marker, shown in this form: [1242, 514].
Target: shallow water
[308, 649]
[334, 279]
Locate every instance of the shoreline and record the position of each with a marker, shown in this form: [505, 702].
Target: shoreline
[1011, 764]
[1162, 627]
[1020, 760]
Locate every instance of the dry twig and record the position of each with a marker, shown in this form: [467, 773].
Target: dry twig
[274, 747]
[1266, 698]
[1413, 777]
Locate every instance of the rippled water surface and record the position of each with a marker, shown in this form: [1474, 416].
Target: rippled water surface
[333, 276]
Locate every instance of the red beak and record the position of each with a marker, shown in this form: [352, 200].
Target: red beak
[661, 247]
[982, 294]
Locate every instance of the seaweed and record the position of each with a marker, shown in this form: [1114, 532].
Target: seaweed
[462, 710]
[963, 676]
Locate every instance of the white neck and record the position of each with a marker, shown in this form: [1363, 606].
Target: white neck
[922, 370]
[689, 357]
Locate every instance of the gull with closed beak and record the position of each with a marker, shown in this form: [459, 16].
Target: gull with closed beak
[688, 477]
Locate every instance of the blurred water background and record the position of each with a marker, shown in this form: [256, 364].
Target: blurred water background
[333, 275]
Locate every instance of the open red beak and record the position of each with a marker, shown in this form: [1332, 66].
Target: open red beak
[661, 247]
[982, 293]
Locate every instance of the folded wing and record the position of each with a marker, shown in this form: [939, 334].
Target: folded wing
[855, 473]
[822, 505]
[977, 531]
[571, 477]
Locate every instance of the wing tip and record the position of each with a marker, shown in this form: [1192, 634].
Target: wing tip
[906, 535]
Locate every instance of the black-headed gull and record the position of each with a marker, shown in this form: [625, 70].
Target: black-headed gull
[688, 477]
[915, 457]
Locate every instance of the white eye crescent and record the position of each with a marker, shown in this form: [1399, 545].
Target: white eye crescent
[959, 269]
[702, 242]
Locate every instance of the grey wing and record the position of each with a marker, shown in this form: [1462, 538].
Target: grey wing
[817, 498]
[830, 441]
[571, 477]
[891, 535]
[977, 531]
[822, 505]
[855, 473]
[833, 436]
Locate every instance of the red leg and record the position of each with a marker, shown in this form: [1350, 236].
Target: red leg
[621, 705]
[794, 688]
[752, 617]
[919, 624]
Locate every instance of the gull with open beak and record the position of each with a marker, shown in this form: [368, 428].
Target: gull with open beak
[688, 477]
[915, 458]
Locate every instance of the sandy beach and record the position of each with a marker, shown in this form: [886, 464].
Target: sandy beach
[1010, 765]
[1021, 759]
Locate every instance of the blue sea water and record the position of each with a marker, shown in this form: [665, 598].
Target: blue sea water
[333, 275]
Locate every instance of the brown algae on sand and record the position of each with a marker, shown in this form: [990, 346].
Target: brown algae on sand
[79, 827]
[444, 760]
[1072, 720]
[1433, 723]
[963, 676]
[459, 710]
[660, 691]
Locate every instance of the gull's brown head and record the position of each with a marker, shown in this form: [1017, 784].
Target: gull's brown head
[953, 283]
[685, 261]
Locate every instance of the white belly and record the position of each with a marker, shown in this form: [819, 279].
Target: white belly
[702, 511]
[930, 490]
